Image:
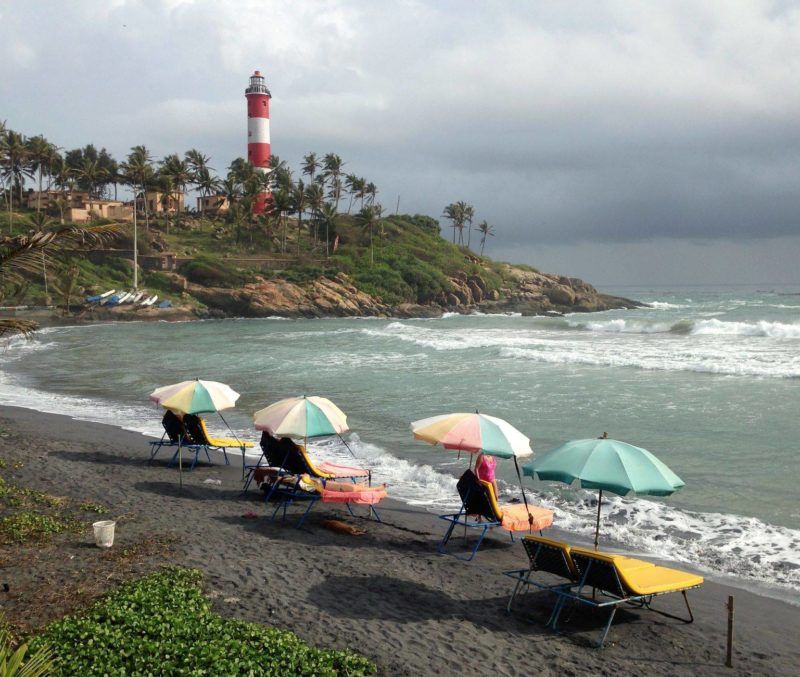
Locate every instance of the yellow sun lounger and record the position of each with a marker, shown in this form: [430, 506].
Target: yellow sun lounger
[196, 427]
[619, 579]
[481, 511]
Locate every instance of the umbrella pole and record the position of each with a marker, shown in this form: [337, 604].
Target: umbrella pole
[236, 437]
[346, 445]
[597, 528]
[180, 463]
[524, 498]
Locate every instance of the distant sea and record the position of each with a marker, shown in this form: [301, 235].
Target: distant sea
[708, 379]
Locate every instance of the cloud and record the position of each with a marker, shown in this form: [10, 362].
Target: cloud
[562, 123]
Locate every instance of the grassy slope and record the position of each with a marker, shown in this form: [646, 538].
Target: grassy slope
[412, 261]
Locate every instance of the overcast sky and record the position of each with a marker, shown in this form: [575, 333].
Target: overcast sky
[627, 143]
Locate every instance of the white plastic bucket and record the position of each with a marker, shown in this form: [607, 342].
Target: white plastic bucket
[104, 533]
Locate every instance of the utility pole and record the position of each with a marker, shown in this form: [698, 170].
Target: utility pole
[135, 248]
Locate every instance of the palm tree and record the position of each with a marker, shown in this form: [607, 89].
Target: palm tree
[21, 255]
[366, 219]
[281, 204]
[469, 214]
[327, 216]
[310, 165]
[111, 168]
[332, 164]
[486, 231]
[299, 204]
[316, 197]
[15, 168]
[139, 171]
[40, 152]
[452, 212]
[201, 173]
[371, 192]
[92, 175]
[179, 175]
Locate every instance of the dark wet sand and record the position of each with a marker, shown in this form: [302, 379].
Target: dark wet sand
[387, 593]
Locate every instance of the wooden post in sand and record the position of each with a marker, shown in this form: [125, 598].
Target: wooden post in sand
[729, 656]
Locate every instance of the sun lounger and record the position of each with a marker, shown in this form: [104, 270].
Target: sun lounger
[481, 511]
[174, 434]
[288, 490]
[196, 427]
[617, 578]
[288, 458]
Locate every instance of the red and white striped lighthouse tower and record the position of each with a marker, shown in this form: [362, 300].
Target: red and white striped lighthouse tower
[258, 97]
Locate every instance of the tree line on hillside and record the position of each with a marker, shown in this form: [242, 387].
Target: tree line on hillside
[321, 193]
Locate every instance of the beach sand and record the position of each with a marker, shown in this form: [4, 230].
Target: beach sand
[386, 594]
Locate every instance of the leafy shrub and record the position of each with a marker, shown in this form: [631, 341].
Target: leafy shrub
[163, 624]
[31, 526]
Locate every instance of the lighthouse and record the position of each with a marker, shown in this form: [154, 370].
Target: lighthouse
[258, 97]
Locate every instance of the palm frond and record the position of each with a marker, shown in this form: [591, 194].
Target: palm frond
[23, 254]
[11, 325]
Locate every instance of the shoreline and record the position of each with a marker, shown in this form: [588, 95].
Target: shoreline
[388, 593]
[752, 586]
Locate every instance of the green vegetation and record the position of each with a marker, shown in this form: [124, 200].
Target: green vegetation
[324, 221]
[88, 506]
[29, 515]
[163, 624]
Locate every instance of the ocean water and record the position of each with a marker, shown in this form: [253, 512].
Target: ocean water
[707, 379]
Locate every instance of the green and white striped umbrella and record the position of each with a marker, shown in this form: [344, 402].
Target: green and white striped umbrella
[301, 417]
[473, 433]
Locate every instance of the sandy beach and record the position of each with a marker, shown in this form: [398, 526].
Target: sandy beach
[386, 593]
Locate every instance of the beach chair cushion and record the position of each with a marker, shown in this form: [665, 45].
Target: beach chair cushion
[342, 470]
[221, 441]
[344, 492]
[514, 517]
[550, 555]
[643, 578]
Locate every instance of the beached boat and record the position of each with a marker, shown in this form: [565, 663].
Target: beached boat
[99, 297]
[138, 296]
[150, 301]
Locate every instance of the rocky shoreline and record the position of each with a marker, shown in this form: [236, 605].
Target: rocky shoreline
[528, 293]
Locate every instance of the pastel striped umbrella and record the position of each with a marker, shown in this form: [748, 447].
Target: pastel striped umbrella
[473, 433]
[301, 417]
[195, 397]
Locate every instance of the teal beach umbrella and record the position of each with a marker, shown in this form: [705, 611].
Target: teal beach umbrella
[607, 465]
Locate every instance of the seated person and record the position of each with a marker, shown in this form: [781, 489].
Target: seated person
[484, 469]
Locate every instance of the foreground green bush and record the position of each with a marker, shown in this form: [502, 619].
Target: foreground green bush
[162, 624]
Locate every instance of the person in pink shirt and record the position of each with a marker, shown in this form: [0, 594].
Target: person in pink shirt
[484, 469]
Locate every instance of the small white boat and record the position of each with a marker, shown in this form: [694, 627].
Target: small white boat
[150, 301]
[107, 294]
[138, 297]
[122, 299]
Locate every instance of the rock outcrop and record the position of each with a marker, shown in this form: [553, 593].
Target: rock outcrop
[528, 292]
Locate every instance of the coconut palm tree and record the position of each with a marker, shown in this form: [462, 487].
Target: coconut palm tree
[201, 173]
[91, 174]
[139, 171]
[332, 164]
[366, 219]
[371, 192]
[281, 205]
[310, 166]
[299, 204]
[179, 174]
[327, 216]
[40, 152]
[315, 195]
[452, 213]
[486, 231]
[15, 167]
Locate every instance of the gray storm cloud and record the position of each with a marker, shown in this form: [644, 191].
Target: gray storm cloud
[562, 123]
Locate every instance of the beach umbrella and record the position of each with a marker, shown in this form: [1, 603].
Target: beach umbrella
[195, 397]
[301, 417]
[475, 433]
[606, 465]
